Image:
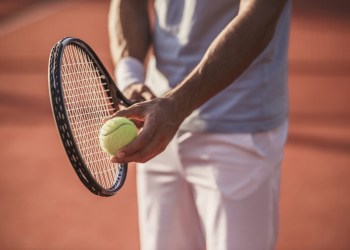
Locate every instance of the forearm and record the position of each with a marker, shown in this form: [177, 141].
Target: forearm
[229, 55]
[129, 29]
[226, 58]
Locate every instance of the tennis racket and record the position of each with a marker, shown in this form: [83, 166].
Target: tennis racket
[82, 94]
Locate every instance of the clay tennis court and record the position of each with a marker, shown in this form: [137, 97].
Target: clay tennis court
[44, 206]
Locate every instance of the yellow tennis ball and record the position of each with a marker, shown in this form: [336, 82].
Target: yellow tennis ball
[116, 133]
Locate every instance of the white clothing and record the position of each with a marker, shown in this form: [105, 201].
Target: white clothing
[212, 191]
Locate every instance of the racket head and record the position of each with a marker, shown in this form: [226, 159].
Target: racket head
[82, 94]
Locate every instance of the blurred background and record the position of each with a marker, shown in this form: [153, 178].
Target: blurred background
[44, 206]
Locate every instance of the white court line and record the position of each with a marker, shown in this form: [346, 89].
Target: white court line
[31, 15]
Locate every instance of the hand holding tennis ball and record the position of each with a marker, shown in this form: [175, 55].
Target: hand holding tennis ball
[116, 133]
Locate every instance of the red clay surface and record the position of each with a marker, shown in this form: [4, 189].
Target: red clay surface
[44, 206]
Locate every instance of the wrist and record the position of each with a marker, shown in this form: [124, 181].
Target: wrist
[180, 103]
[129, 70]
[188, 95]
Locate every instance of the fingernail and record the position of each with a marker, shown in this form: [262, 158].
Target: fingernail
[121, 155]
[104, 120]
[114, 159]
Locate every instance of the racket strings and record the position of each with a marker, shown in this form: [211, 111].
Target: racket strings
[87, 103]
[83, 121]
[69, 80]
[87, 146]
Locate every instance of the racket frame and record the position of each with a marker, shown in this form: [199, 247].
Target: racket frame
[61, 117]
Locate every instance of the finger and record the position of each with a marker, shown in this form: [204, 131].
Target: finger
[138, 123]
[147, 96]
[129, 153]
[147, 89]
[132, 112]
[154, 146]
[145, 136]
[137, 97]
[127, 113]
[132, 90]
[152, 149]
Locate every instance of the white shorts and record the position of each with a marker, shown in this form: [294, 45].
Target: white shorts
[212, 191]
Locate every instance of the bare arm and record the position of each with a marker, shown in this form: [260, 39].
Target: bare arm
[129, 29]
[231, 52]
[130, 36]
